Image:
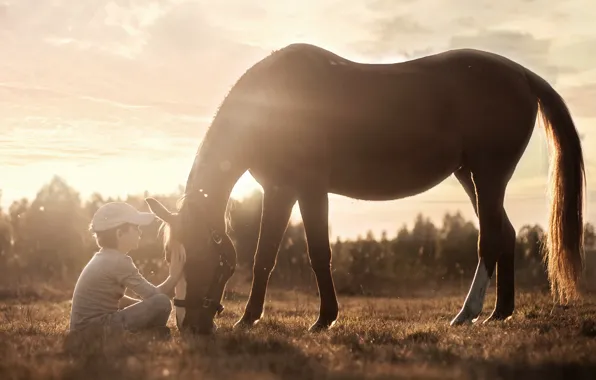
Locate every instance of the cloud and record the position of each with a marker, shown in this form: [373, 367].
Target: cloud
[194, 56]
[581, 100]
[183, 30]
[185, 33]
[517, 46]
[191, 52]
[577, 51]
[114, 27]
[3, 13]
[528, 31]
[388, 35]
[165, 51]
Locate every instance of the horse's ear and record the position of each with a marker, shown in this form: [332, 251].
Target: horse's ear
[159, 210]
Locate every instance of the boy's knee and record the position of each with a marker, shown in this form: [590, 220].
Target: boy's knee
[162, 303]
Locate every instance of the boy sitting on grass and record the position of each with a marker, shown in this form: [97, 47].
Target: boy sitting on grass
[99, 300]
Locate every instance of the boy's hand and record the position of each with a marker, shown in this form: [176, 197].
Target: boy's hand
[177, 260]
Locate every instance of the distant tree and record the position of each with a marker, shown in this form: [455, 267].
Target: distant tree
[458, 242]
[17, 214]
[293, 263]
[424, 236]
[245, 218]
[589, 236]
[52, 230]
[529, 243]
[5, 237]
[94, 202]
[590, 242]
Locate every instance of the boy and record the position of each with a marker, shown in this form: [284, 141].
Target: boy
[98, 298]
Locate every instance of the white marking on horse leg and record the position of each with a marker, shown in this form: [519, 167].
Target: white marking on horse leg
[180, 292]
[475, 298]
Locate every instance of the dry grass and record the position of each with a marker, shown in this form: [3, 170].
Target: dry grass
[374, 339]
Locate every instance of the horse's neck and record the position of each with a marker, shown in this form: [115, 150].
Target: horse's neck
[214, 179]
[219, 163]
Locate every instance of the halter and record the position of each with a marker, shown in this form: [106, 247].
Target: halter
[222, 273]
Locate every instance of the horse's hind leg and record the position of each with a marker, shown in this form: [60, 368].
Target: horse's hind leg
[314, 207]
[277, 208]
[490, 194]
[505, 281]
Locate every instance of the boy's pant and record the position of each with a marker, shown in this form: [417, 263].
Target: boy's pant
[151, 312]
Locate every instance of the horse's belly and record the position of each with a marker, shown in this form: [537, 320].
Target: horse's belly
[387, 183]
[382, 164]
[394, 174]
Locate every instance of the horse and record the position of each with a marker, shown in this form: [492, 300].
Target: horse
[306, 122]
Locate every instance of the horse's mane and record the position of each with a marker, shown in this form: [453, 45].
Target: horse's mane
[241, 81]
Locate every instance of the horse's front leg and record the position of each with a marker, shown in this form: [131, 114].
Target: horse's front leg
[314, 206]
[277, 208]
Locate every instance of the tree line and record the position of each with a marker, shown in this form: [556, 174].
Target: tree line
[46, 240]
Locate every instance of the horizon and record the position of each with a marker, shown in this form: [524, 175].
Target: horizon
[115, 98]
[344, 210]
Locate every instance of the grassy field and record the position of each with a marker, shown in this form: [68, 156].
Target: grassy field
[375, 338]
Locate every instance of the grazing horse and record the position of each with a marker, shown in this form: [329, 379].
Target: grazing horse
[306, 122]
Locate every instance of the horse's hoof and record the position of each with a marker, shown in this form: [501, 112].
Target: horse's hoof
[320, 326]
[464, 316]
[245, 324]
[497, 316]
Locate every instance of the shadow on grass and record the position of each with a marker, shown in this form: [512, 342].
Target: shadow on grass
[479, 370]
[96, 354]
[414, 355]
[255, 352]
[425, 352]
[542, 371]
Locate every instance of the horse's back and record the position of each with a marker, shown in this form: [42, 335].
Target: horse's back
[446, 59]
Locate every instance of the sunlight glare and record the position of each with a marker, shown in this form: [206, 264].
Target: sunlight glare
[245, 186]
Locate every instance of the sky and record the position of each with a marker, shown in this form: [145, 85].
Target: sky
[115, 96]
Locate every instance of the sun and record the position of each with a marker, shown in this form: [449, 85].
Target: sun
[245, 186]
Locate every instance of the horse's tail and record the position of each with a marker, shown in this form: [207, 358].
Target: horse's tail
[565, 235]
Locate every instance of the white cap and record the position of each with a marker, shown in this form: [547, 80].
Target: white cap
[114, 214]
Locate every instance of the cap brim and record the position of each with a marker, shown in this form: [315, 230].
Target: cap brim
[144, 218]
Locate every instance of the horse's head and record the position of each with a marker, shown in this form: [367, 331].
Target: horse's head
[210, 260]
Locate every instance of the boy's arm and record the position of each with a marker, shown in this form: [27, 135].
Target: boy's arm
[132, 278]
[177, 260]
[167, 287]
